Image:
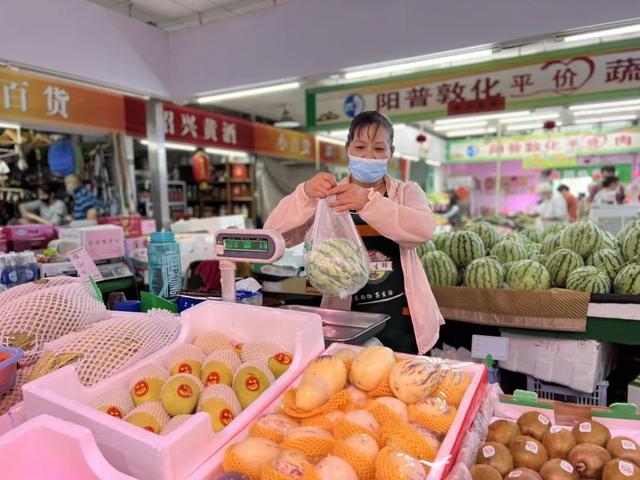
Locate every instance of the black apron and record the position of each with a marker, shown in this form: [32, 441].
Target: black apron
[385, 292]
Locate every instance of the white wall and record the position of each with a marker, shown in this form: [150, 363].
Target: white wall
[78, 38]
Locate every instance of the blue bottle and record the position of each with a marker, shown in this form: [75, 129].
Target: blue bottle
[10, 271]
[165, 272]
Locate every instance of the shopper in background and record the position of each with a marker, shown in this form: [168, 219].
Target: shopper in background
[85, 204]
[47, 210]
[553, 207]
[453, 213]
[393, 218]
[608, 194]
[607, 172]
[572, 202]
[583, 207]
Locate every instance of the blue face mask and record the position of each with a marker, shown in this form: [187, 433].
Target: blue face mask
[367, 171]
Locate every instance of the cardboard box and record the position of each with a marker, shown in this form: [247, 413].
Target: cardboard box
[134, 226]
[102, 242]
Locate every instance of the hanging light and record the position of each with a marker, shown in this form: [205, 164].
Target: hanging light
[286, 120]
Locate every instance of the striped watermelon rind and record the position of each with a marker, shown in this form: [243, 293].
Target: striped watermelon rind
[560, 264]
[484, 273]
[608, 260]
[551, 243]
[509, 251]
[486, 232]
[440, 269]
[528, 275]
[426, 248]
[630, 247]
[465, 247]
[623, 233]
[583, 238]
[552, 229]
[590, 280]
[532, 234]
[608, 241]
[533, 249]
[627, 282]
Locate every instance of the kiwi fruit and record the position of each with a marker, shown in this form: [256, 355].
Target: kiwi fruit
[527, 452]
[497, 456]
[625, 449]
[558, 442]
[534, 424]
[523, 474]
[591, 432]
[588, 460]
[620, 470]
[503, 431]
[485, 472]
[558, 469]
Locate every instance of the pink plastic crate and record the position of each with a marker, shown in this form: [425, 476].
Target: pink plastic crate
[146, 455]
[450, 445]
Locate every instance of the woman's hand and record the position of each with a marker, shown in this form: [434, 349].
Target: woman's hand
[320, 185]
[349, 196]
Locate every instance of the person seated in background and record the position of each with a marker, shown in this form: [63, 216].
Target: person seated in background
[572, 202]
[608, 171]
[552, 208]
[85, 203]
[47, 210]
[608, 194]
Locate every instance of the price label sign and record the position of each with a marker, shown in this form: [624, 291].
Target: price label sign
[84, 264]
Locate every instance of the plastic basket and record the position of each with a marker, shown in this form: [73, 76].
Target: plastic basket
[9, 368]
[551, 391]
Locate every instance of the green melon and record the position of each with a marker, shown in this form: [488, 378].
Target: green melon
[517, 237]
[442, 241]
[584, 238]
[630, 247]
[552, 228]
[528, 275]
[465, 247]
[539, 257]
[627, 282]
[426, 248]
[484, 273]
[533, 249]
[560, 264]
[440, 269]
[608, 260]
[590, 280]
[532, 234]
[608, 241]
[623, 233]
[551, 243]
[509, 251]
[486, 232]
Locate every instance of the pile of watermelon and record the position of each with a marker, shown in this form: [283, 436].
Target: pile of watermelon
[581, 256]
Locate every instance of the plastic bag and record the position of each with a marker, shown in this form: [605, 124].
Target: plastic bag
[335, 258]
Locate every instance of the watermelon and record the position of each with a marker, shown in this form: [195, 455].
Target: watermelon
[465, 247]
[533, 249]
[486, 232]
[560, 264]
[590, 280]
[509, 251]
[623, 233]
[609, 241]
[552, 228]
[440, 269]
[608, 260]
[484, 273]
[584, 238]
[518, 237]
[528, 275]
[426, 248]
[532, 234]
[442, 241]
[627, 282]
[539, 257]
[630, 247]
[551, 243]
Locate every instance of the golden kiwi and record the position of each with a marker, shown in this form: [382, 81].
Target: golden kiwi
[503, 431]
[589, 460]
[534, 424]
[523, 474]
[497, 456]
[625, 449]
[558, 442]
[558, 469]
[485, 472]
[591, 432]
[527, 452]
[620, 470]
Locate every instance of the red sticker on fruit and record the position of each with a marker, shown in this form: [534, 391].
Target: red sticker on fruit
[212, 379]
[283, 358]
[226, 416]
[141, 388]
[252, 384]
[114, 412]
[185, 391]
[185, 368]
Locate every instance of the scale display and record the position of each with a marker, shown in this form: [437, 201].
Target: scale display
[245, 245]
[257, 246]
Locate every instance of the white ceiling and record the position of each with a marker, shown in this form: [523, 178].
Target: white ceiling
[172, 15]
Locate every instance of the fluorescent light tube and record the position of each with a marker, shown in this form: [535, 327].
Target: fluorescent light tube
[15, 126]
[444, 128]
[630, 108]
[468, 133]
[603, 33]
[592, 106]
[173, 146]
[248, 93]
[527, 126]
[477, 118]
[613, 118]
[532, 118]
[224, 151]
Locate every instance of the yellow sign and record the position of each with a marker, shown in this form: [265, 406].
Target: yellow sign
[275, 142]
[553, 160]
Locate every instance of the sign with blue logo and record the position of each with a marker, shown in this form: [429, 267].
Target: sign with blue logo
[353, 105]
[471, 151]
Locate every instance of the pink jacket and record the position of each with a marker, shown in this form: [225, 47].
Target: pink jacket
[404, 217]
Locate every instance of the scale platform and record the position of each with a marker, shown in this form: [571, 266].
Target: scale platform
[345, 326]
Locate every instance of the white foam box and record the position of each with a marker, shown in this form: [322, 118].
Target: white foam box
[145, 455]
[577, 364]
[449, 448]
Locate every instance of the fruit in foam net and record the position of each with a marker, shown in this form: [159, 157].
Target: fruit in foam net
[558, 469]
[589, 460]
[370, 367]
[278, 358]
[150, 416]
[527, 452]
[398, 465]
[117, 404]
[273, 426]
[186, 359]
[180, 394]
[209, 342]
[620, 470]
[222, 405]
[249, 456]
[326, 421]
[503, 431]
[360, 452]
[333, 468]
[358, 397]
[534, 424]
[558, 442]
[219, 367]
[322, 378]
[363, 444]
[287, 465]
[313, 442]
[411, 438]
[356, 421]
[175, 423]
[385, 408]
[495, 455]
[625, 449]
[147, 383]
[433, 413]
[523, 474]
[484, 472]
[591, 432]
[414, 379]
[346, 355]
[453, 385]
[250, 380]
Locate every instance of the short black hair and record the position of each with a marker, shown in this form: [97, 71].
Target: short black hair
[609, 169]
[563, 188]
[367, 119]
[607, 182]
[46, 188]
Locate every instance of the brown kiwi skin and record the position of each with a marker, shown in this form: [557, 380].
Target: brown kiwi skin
[530, 425]
[503, 431]
[524, 458]
[526, 474]
[553, 471]
[599, 434]
[614, 447]
[502, 461]
[589, 460]
[485, 472]
[611, 471]
[559, 444]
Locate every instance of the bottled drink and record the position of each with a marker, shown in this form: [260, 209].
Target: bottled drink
[165, 272]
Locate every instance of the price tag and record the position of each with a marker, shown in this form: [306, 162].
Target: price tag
[84, 264]
[483, 345]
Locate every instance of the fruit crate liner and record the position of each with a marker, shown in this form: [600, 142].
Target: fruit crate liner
[555, 309]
